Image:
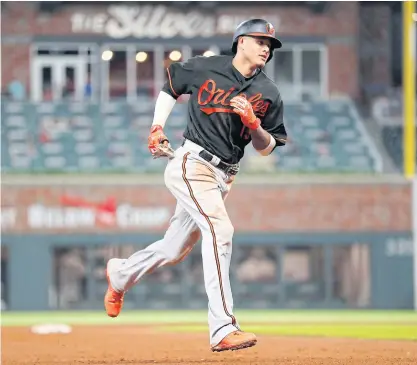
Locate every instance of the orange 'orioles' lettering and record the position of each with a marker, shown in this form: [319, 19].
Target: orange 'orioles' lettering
[219, 99]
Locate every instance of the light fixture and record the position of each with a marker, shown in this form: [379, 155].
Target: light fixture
[107, 55]
[141, 56]
[175, 56]
[208, 53]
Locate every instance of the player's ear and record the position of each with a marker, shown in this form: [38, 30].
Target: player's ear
[240, 41]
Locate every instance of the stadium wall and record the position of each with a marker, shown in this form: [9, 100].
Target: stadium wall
[367, 225]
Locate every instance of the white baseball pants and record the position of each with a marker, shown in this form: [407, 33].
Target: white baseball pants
[200, 190]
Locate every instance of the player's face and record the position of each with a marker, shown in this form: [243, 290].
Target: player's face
[257, 50]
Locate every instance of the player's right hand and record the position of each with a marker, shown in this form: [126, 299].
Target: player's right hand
[156, 137]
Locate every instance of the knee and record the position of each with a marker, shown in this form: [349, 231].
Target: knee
[171, 255]
[175, 256]
[224, 232]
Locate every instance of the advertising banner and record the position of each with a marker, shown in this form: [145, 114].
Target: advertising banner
[278, 208]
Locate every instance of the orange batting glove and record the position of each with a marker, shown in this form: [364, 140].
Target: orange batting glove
[242, 107]
[156, 137]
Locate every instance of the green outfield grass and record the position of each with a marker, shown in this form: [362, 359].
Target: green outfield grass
[357, 324]
[357, 330]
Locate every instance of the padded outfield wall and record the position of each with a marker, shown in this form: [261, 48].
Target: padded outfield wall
[300, 242]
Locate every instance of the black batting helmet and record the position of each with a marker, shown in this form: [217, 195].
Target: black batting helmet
[256, 28]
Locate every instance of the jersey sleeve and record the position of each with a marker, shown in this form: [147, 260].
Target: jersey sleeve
[273, 122]
[180, 77]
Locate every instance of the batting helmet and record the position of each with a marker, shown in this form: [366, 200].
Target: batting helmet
[256, 28]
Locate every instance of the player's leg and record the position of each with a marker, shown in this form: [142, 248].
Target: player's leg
[197, 187]
[179, 239]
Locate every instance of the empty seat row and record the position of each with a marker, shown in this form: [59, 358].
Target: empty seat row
[83, 137]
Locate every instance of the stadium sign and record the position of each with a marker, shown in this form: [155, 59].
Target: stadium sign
[157, 22]
[8, 218]
[79, 206]
[125, 216]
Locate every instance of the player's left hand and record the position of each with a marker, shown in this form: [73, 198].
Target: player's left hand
[244, 108]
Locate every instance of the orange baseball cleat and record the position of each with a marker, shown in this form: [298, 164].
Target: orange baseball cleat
[235, 341]
[113, 300]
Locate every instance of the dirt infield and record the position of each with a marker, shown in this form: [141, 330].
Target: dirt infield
[144, 345]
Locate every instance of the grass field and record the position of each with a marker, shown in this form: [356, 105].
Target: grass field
[353, 324]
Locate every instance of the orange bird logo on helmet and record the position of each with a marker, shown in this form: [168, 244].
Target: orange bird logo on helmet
[270, 28]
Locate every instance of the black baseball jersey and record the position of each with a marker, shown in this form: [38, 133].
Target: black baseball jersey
[212, 82]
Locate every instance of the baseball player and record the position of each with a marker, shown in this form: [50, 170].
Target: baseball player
[232, 103]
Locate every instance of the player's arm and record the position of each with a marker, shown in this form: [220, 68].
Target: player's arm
[269, 135]
[179, 81]
[163, 107]
[262, 141]
[180, 77]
